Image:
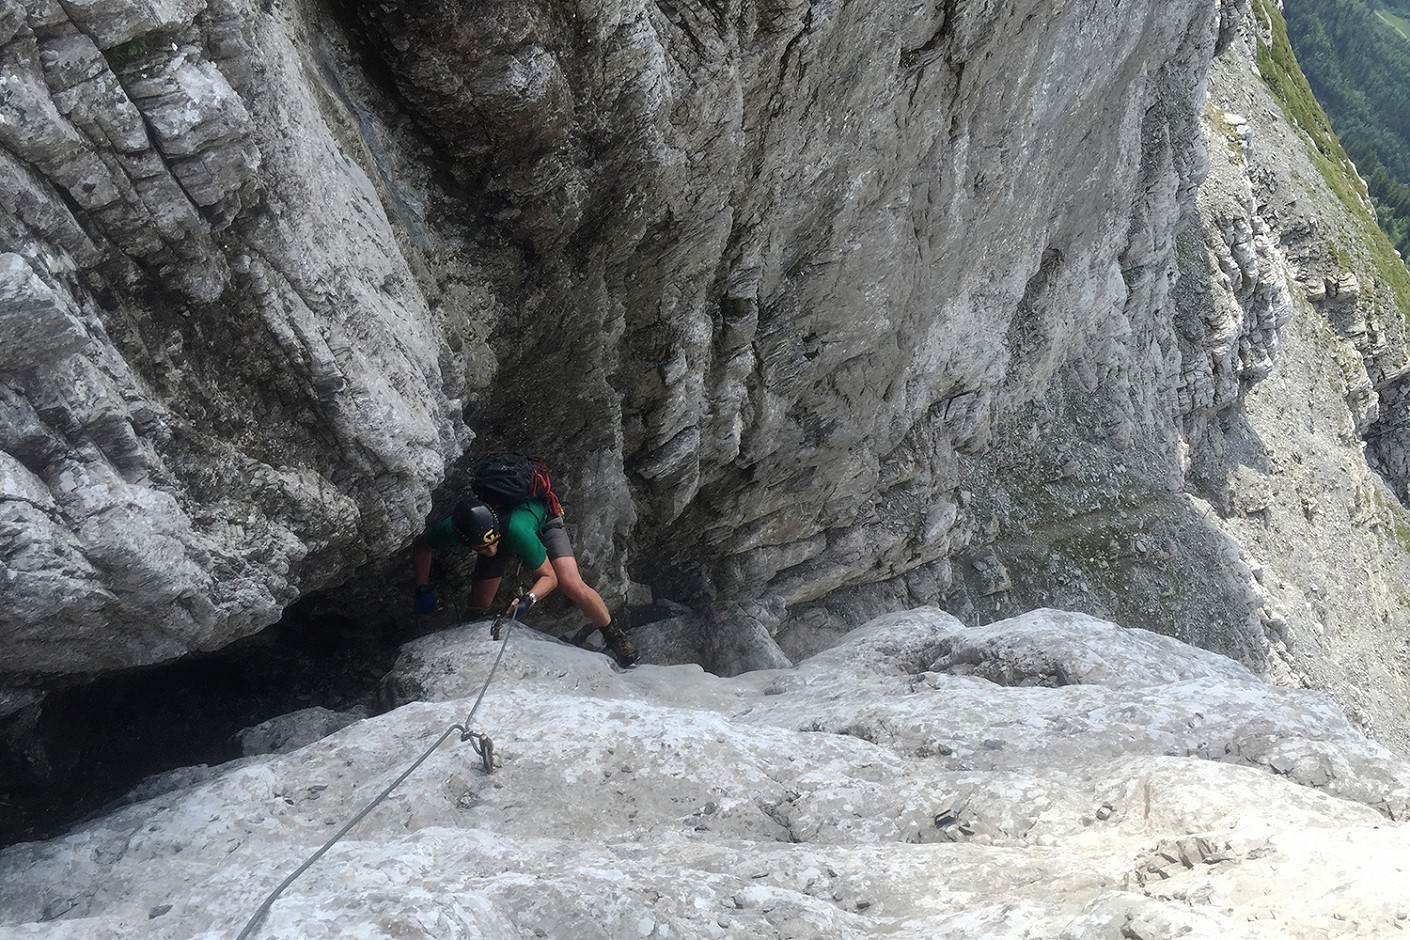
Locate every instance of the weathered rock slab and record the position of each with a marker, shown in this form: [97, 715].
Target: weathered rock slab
[876, 789]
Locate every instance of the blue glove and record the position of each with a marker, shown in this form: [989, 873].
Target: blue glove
[426, 600]
[522, 606]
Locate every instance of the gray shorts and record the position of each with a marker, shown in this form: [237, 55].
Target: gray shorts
[554, 536]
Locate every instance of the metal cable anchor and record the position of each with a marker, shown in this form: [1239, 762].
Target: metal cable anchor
[482, 745]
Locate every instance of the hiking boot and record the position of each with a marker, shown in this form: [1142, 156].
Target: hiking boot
[621, 647]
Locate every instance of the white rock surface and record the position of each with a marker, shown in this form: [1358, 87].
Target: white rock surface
[1048, 776]
[292, 731]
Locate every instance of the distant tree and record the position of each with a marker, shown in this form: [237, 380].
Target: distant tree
[1358, 65]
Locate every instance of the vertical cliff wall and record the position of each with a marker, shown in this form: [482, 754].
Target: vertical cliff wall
[799, 270]
[817, 309]
[1281, 538]
[222, 378]
[756, 275]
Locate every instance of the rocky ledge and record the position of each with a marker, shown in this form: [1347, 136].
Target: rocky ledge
[1051, 775]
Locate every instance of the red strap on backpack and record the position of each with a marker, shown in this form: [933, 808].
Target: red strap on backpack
[540, 485]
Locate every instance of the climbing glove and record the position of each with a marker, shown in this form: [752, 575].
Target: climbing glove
[522, 605]
[425, 600]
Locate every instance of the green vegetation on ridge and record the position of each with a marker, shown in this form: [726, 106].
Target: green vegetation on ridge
[1356, 56]
[1284, 76]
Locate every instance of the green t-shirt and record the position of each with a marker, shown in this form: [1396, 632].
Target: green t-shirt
[519, 535]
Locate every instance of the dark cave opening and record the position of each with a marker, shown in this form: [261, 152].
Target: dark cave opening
[83, 748]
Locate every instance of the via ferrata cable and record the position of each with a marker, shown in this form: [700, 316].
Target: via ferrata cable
[480, 743]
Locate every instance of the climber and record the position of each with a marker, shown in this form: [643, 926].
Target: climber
[529, 527]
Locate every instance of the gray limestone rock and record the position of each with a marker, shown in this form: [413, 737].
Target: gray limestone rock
[772, 345]
[873, 790]
[817, 310]
[292, 731]
[223, 386]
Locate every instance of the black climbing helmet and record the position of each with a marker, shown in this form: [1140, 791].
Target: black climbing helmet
[476, 522]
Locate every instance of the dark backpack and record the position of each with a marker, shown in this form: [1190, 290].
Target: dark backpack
[511, 479]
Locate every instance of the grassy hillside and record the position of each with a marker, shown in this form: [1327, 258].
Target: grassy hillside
[1400, 23]
[1282, 72]
[1356, 57]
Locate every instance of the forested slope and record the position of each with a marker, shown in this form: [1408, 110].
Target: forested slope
[1356, 55]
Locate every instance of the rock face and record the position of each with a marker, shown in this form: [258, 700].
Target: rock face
[1053, 775]
[817, 309]
[1272, 528]
[222, 382]
[1308, 473]
[754, 283]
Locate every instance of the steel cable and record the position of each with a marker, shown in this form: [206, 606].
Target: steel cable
[465, 734]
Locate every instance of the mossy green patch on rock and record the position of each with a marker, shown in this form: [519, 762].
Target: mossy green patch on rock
[1217, 122]
[1396, 517]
